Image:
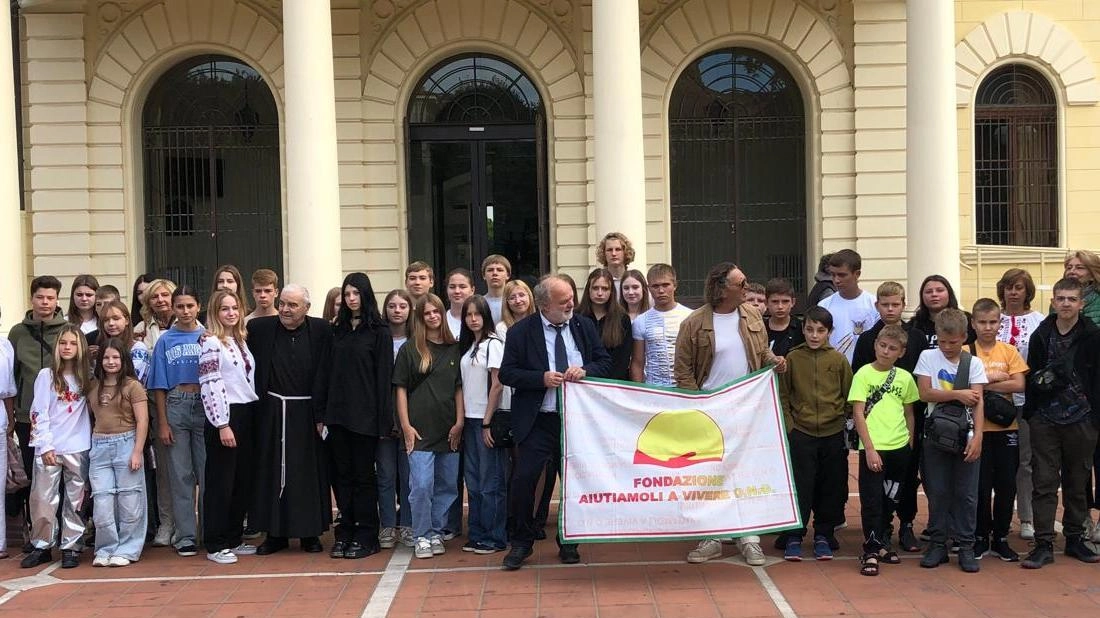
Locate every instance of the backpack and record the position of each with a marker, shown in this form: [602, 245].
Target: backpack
[949, 424]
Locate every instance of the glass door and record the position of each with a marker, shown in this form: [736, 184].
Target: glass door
[472, 198]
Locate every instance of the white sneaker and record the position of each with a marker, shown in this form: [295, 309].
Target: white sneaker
[244, 549]
[387, 538]
[405, 535]
[1027, 530]
[752, 554]
[163, 537]
[707, 549]
[119, 561]
[224, 556]
[437, 546]
[101, 560]
[423, 548]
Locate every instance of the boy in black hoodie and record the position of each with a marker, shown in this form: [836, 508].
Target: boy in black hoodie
[1062, 408]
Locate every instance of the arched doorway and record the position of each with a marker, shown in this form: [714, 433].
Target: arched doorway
[210, 145]
[737, 136]
[477, 168]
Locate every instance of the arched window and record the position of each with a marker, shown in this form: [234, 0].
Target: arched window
[737, 139]
[210, 145]
[477, 168]
[1016, 159]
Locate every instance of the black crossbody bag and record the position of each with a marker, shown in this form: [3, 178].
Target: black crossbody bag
[851, 436]
[948, 423]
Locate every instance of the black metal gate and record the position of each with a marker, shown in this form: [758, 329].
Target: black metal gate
[212, 184]
[737, 170]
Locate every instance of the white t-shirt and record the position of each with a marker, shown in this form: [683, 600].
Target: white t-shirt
[397, 343]
[731, 361]
[475, 375]
[89, 325]
[658, 329]
[1016, 330]
[496, 303]
[455, 324]
[7, 373]
[934, 364]
[850, 319]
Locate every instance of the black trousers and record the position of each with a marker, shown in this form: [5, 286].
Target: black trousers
[229, 479]
[907, 504]
[820, 467]
[540, 446]
[553, 473]
[879, 492]
[355, 485]
[997, 483]
[1060, 455]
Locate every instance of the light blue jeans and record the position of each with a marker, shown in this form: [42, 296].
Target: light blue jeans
[392, 464]
[432, 491]
[187, 456]
[118, 497]
[486, 487]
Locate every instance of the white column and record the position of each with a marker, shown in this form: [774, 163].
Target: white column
[617, 115]
[312, 175]
[932, 159]
[13, 296]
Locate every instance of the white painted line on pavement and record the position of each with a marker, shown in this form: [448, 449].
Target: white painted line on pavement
[777, 597]
[386, 590]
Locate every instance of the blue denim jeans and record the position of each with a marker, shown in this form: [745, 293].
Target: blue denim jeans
[432, 491]
[118, 497]
[392, 464]
[187, 455]
[486, 487]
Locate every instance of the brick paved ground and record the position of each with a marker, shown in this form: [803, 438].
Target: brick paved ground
[631, 580]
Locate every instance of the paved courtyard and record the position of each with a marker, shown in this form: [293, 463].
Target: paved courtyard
[629, 580]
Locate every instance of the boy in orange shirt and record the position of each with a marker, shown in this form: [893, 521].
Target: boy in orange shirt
[1005, 369]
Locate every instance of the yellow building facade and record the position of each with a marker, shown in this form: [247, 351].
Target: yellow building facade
[319, 137]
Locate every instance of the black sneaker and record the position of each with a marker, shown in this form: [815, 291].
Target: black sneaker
[981, 548]
[70, 558]
[926, 535]
[907, 540]
[968, 562]
[338, 549]
[934, 556]
[187, 551]
[1002, 550]
[469, 546]
[1043, 554]
[1076, 548]
[37, 557]
[954, 546]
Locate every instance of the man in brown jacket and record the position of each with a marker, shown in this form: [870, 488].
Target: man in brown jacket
[720, 342]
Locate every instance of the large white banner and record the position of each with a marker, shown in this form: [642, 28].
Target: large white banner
[650, 463]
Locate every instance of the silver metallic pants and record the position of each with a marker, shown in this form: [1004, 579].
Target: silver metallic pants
[68, 477]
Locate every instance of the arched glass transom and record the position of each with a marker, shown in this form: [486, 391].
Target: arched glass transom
[1016, 159]
[210, 146]
[737, 139]
[475, 89]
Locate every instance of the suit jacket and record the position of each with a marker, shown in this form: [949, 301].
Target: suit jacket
[525, 362]
[261, 341]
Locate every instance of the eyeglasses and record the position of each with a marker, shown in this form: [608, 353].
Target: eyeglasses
[740, 284]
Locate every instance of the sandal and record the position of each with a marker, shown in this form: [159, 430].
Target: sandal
[868, 565]
[887, 556]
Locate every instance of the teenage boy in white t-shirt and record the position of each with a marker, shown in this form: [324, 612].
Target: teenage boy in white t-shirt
[853, 309]
[655, 331]
[951, 480]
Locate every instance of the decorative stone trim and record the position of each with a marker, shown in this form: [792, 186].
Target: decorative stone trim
[1020, 34]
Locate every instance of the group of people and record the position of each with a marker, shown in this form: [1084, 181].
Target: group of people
[181, 410]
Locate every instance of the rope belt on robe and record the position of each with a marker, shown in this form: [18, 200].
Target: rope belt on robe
[282, 437]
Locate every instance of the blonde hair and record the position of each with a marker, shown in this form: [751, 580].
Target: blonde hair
[508, 316]
[1091, 262]
[418, 330]
[237, 332]
[81, 364]
[147, 296]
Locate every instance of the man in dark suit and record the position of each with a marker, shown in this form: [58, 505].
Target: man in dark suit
[542, 351]
[292, 497]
